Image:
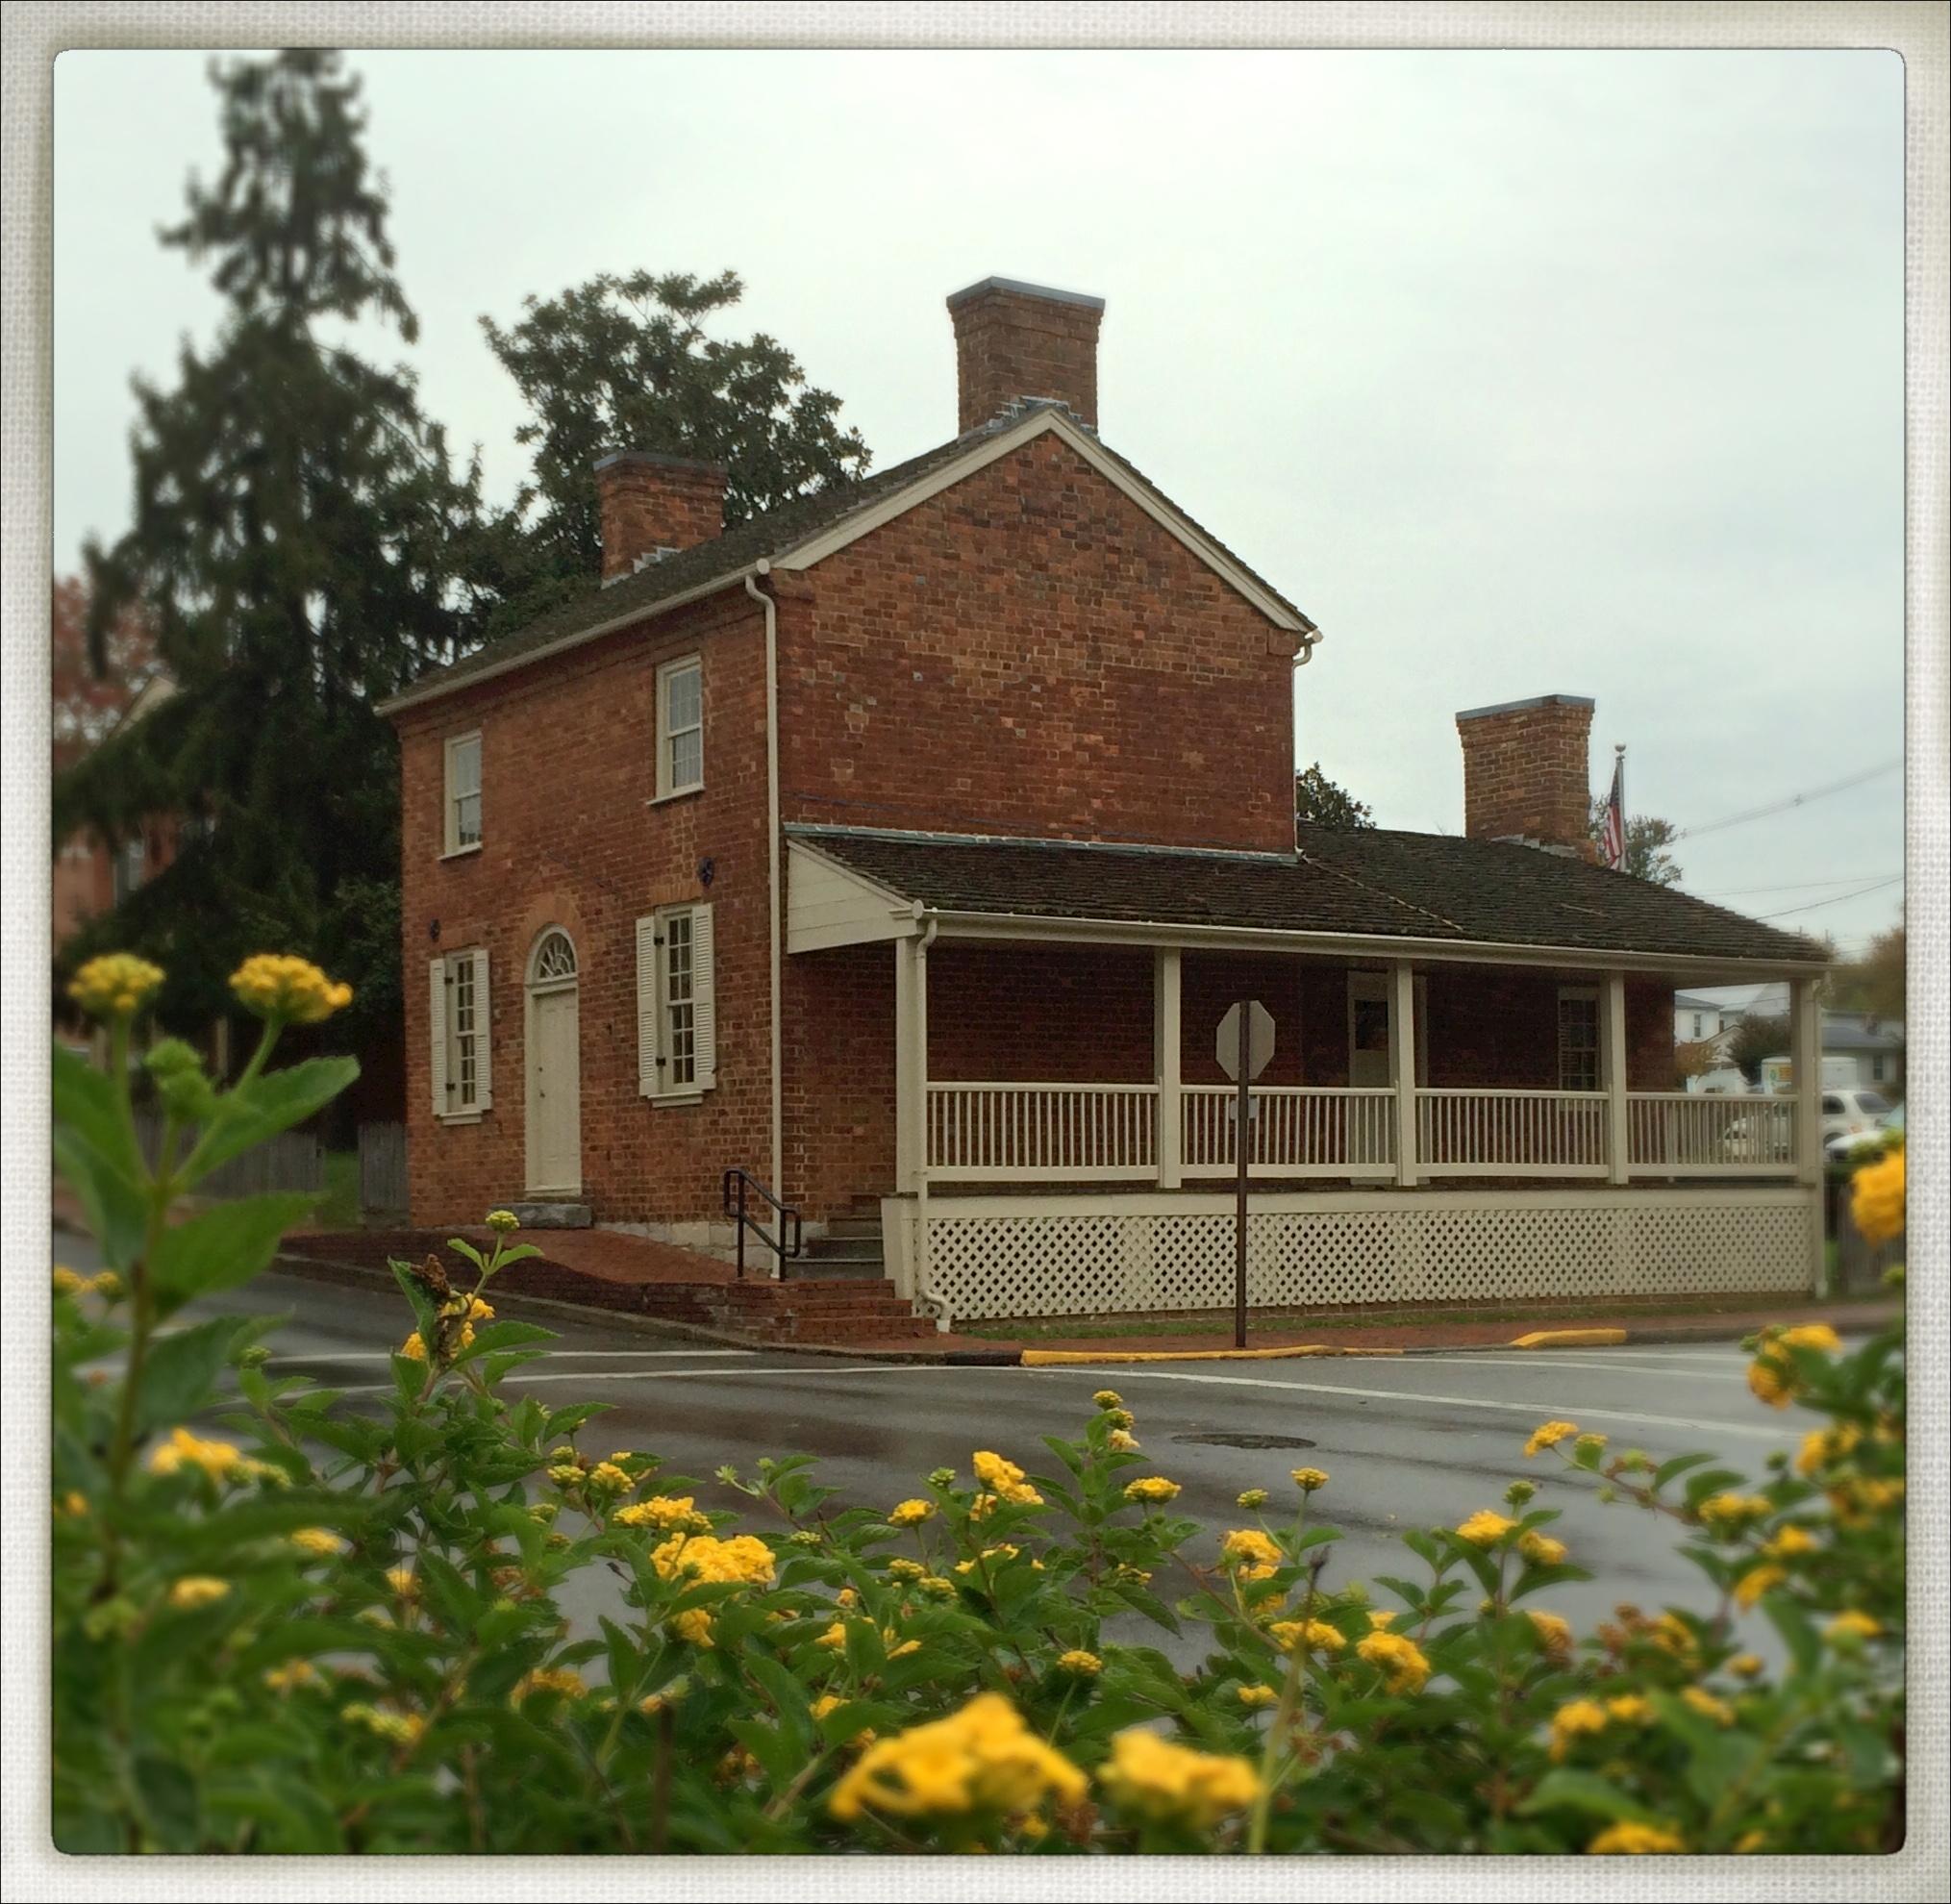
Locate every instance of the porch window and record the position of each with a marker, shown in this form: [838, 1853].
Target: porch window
[675, 1004]
[463, 793]
[130, 868]
[1578, 1038]
[680, 727]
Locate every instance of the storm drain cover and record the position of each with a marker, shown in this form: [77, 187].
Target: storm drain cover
[1247, 1441]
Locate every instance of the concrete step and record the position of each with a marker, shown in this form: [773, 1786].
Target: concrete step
[860, 1226]
[553, 1214]
[839, 1269]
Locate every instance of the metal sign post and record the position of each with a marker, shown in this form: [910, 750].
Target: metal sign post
[1243, 1047]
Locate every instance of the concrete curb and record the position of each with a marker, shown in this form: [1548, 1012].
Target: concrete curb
[1072, 1358]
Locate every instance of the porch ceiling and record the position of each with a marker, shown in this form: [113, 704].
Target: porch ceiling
[1425, 894]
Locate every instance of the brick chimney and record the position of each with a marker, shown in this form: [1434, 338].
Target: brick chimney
[1527, 772]
[1023, 340]
[656, 504]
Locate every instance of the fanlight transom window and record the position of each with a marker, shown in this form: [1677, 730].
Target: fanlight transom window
[555, 960]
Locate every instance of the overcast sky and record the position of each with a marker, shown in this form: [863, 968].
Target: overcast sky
[1520, 373]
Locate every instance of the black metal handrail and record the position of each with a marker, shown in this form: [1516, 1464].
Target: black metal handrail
[736, 1184]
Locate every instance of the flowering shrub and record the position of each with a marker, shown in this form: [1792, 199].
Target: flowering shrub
[284, 1622]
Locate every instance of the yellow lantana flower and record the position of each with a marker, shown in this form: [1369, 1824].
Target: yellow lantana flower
[273, 985]
[1541, 1548]
[318, 1541]
[1153, 1490]
[745, 1558]
[1630, 1709]
[1852, 1624]
[1570, 1722]
[981, 1759]
[1314, 1636]
[1080, 1664]
[909, 1513]
[1309, 1480]
[219, 1460]
[114, 986]
[1398, 1658]
[667, 1512]
[1707, 1706]
[1250, 1553]
[1254, 1697]
[1553, 1630]
[197, 1589]
[1757, 1580]
[1633, 1839]
[1876, 1198]
[1548, 1435]
[1161, 1779]
[1485, 1529]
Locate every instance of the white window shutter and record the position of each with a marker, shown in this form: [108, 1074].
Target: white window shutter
[483, 1077]
[647, 1007]
[437, 1022]
[704, 999]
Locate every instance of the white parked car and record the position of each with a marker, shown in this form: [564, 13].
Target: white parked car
[1839, 1144]
[1852, 1115]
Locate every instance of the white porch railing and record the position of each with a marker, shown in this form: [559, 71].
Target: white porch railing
[1054, 1132]
[1292, 1130]
[1494, 1132]
[1043, 1131]
[1678, 1133]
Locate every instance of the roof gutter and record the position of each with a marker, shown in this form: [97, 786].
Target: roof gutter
[1464, 951]
[437, 689]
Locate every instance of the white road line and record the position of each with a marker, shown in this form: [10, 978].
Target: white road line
[1533, 1363]
[521, 1379]
[1690, 1424]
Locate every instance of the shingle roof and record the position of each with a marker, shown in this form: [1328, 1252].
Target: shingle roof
[1371, 882]
[770, 534]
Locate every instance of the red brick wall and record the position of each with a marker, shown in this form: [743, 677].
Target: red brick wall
[648, 502]
[1028, 652]
[568, 766]
[1040, 1013]
[837, 1026]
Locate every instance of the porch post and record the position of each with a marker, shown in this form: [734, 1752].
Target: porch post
[906, 1072]
[1805, 1057]
[1402, 1030]
[1612, 1073]
[1166, 1060]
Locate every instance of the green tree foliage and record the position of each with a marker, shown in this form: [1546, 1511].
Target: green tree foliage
[1647, 841]
[1756, 1038]
[299, 544]
[626, 362]
[1320, 801]
[1874, 984]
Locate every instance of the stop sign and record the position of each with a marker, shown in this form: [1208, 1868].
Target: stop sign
[1259, 1038]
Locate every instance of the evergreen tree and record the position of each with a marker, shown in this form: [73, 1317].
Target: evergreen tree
[625, 362]
[300, 545]
[1325, 803]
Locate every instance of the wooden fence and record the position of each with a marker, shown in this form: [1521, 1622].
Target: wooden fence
[290, 1161]
[383, 1170]
[1860, 1264]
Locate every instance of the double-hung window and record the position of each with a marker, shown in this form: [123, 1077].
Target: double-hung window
[458, 1026]
[1578, 1038]
[680, 727]
[463, 793]
[676, 1030]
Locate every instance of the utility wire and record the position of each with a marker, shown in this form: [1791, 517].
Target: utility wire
[1792, 886]
[1816, 905]
[1793, 800]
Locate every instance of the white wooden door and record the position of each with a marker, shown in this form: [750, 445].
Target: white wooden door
[555, 1083]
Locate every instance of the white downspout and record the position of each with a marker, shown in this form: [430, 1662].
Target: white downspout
[771, 608]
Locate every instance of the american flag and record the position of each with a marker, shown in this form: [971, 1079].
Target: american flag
[1614, 843]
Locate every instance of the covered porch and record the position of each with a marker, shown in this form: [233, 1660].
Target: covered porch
[1440, 1121]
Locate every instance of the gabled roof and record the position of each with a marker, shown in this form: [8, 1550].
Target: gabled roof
[803, 532]
[1370, 884]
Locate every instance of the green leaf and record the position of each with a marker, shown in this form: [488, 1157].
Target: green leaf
[86, 1100]
[426, 1311]
[1565, 1790]
[116, 1207]
[180, 1373]
[1786, 1616]
[169, 1801]
[222, 1247]
[1679, 1465]
[271, 1102]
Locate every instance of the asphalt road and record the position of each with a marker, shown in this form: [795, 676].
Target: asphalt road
[1408, 1441]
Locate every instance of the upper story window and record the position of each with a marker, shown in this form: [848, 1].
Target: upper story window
[1578, 1038]
[680, 726]
[1697, 1017]
[463, 793]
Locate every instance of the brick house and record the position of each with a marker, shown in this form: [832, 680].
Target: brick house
[904, 846]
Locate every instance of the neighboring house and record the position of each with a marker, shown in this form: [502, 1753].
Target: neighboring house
[1859, 1052]
[1703, 1023]
[90, 876]
[903, 847]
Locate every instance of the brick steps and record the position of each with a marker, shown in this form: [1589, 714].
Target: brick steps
[789, 1311]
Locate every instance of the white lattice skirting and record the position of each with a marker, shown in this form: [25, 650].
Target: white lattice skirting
[1009, 1255]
